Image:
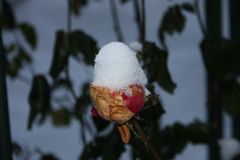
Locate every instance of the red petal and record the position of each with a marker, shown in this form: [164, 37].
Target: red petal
[94, 112]
[135, 102]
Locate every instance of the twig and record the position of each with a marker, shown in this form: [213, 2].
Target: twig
[116, 22]
[69, 17]
[69, 25]
[82, 132]
[143, 23]
[145, 139]
[137, 15]
[200, 21]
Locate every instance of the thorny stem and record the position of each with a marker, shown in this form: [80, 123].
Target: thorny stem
[200, 21]
[145, 139]
[115, 18]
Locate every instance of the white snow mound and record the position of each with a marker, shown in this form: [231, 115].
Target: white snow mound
[116, 67]
[229, 148]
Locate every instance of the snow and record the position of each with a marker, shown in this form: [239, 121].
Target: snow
[229, 148]
[136, 46]
[117, 67]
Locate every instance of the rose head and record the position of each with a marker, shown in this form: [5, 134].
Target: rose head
[119, 106]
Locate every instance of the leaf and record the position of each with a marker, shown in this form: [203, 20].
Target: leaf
[61, 117]
[39, 99]
[230, 92]
[109, 147]
[76, 6]
[60, 56]
[155, 62]
[221, 57]
[15, 64]
[174, 139]
[29, 34]
[188, 7]
[24, 56]
[100, 123]
[80, 42]
[173, 21]
[9, 21]
[198, 133]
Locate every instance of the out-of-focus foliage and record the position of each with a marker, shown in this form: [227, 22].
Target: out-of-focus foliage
[39, 100]
[153, 56]
[16, 53]
[221, 58]
[77, 5]
[173, 20]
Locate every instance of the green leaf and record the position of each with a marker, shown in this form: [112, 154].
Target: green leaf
[9, 21]
[39, 99]
[60, 56]
[80, 42]
[155, 62]
[221, 57]
[188, 7]
[76, 6]
[173, 21]
[61, 117]
[29, 34]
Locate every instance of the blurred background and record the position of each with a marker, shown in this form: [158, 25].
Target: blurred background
[188, 49]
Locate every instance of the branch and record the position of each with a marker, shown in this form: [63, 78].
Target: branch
[143, 23]
[69, 25]
[137, 15]
[145, 139]
[116, 22]
[200, 21]
[69, 18]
